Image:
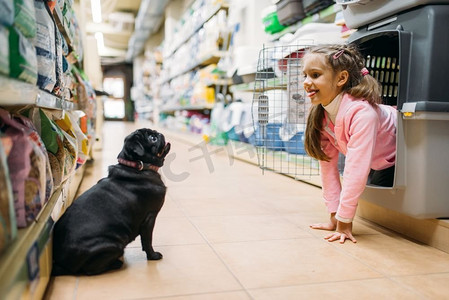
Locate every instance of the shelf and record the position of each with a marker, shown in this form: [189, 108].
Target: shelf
[269, 84]
[210, 58]
[16, 92]
[15, 269]
[323, 16]
[219, 82]
[170, 108]
[25, 265]
[184, 39]
[61, 24]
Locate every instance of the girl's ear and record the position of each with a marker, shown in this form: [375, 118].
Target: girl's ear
[343, 77]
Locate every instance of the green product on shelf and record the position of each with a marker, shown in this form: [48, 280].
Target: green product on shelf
[22, 57]
[4, 50]
[25, 17]
[46, 128]
[220, 139]
[271, 23]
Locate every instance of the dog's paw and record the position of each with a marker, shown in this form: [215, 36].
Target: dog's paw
[154, 256]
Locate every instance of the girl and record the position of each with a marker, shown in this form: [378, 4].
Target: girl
[346, 118]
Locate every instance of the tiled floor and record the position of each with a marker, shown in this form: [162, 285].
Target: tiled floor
[229, 232]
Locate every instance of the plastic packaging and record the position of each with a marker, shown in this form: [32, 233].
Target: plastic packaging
[8, 225]
[4, 50]
[25, 17]
[45, 47]
[6, 12]
[22, 57]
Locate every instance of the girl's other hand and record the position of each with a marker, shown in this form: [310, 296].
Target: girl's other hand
[343, 232]
[331, 225]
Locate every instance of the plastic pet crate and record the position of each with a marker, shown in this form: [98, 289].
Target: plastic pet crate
[290, 11]
[314, 6]
[408, 55]
[280, 113]
[358, 13]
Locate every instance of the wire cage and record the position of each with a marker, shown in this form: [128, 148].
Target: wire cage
[280, 111]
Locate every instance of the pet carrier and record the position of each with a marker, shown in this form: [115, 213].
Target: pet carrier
[408, 55]
[359, 13]
[280, 113]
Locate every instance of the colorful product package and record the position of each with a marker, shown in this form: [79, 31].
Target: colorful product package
[70, 143]
[22, 57]
[52, 138]
[59, 86]
[36, 138]
[66, 152]
[6, 12]
[45, 47]
[8, 226]
[25, 17]
[4, 50]
[26, 163]
[82, 140]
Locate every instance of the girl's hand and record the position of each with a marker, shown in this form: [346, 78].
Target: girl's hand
[331, 225]
[343, 232]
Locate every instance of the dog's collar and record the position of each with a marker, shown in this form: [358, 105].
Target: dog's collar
[139, 165]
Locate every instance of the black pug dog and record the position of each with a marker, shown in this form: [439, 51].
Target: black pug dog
[90, 237]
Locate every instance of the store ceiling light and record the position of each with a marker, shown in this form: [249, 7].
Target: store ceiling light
[95, 5]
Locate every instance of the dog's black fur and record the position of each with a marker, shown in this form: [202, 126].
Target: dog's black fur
[90, 237]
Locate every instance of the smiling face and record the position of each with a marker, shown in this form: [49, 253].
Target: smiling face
[321, 83]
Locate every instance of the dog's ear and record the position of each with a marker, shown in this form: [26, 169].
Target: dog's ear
[166, 149]
[138, 149]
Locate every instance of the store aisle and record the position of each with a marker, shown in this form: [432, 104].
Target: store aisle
[227, 231]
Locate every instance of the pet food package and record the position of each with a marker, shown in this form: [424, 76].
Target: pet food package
[59, 86]
[8, 226]
[4, 50]
[25, 17]
[6, 12]
[70, 144]
[67, 80]
[45, 47]
[64, 46]
[52, 138]
[27, 170]
[36, 138]
[84, 94]
[36, 183]
[82, 140]
[22, 57]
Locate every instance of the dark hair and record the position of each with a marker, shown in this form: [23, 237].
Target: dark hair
[339, 58]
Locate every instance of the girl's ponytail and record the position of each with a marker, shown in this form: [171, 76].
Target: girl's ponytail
[368, 88]
[312, 141]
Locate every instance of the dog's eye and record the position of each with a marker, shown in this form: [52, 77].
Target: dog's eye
[153, 138]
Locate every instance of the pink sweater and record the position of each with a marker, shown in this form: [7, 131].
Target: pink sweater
[367, 137]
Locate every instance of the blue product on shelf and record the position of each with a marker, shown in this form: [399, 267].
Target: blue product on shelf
[232, 135]
[295, 145]
[292, 136]
[272, 138]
